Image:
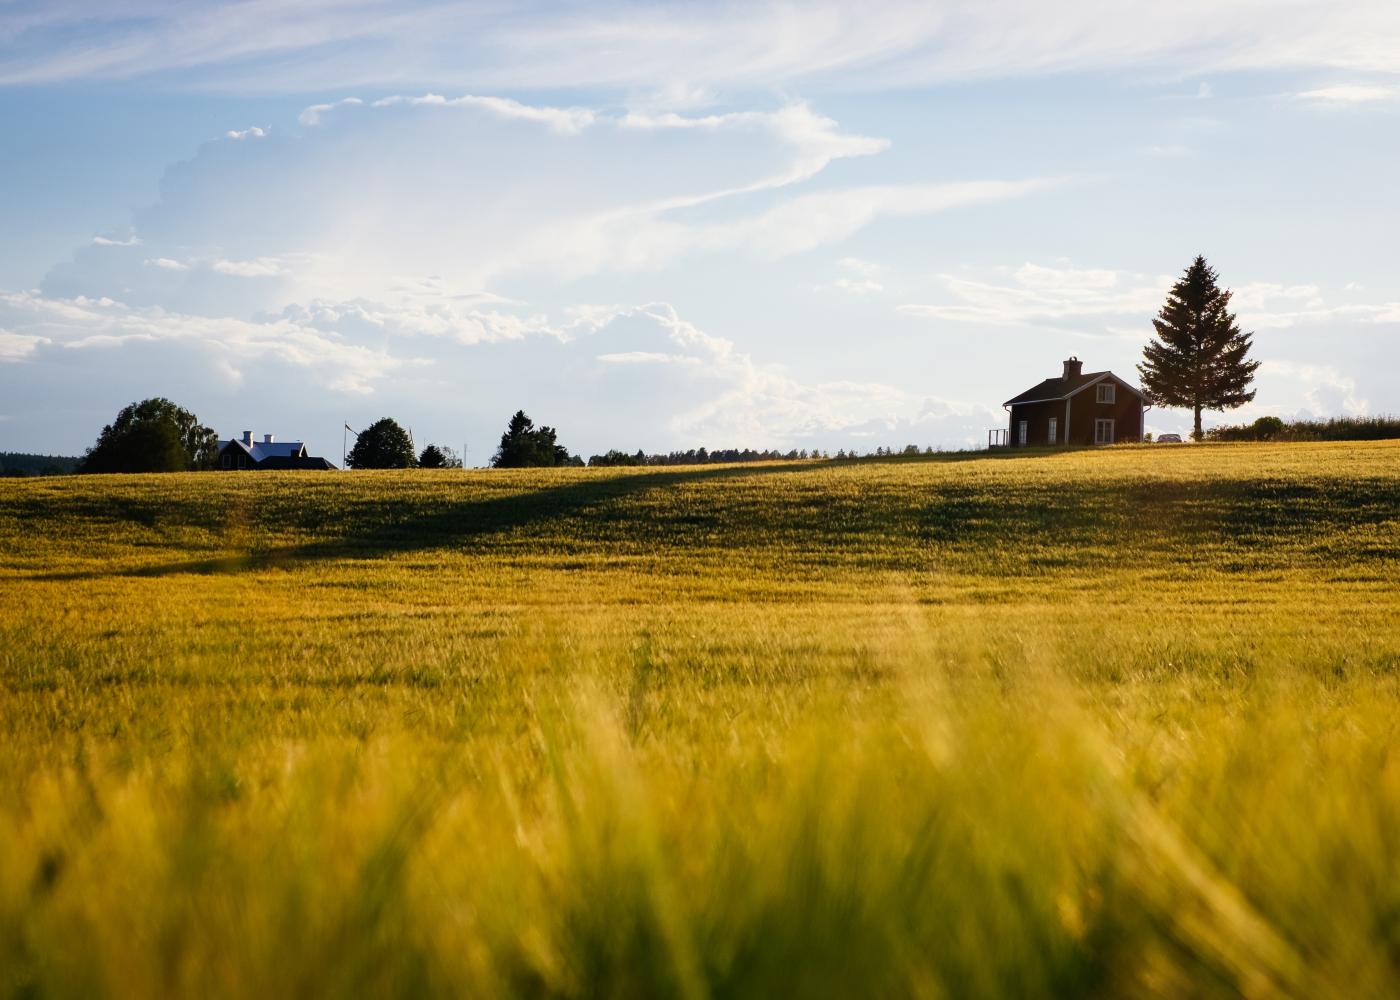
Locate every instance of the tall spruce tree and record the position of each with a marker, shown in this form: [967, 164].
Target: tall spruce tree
[1199, 358]
[524, 445]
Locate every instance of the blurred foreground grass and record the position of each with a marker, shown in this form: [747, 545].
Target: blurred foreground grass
[1117, 723]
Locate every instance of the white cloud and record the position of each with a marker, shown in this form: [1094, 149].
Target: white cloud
[1350, 95]
[258, 267]
[683, 50]
[670, 384]
[86, 324]
[105, 241]
[167, 264]
[566, 121]
[1040, 295]
[858, 286]
[18, 346]
[855, 265]
[255, 132]
[1326, 391]
[316, 112]
[811, 220]
[646, 358]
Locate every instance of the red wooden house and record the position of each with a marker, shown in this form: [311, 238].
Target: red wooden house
[1078, 408]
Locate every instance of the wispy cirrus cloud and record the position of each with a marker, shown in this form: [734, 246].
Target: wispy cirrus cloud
[1350, 95]
[679, 49]
[1099, 300]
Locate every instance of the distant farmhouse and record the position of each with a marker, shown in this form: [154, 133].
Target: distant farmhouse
[1076, 408]
[269, 453]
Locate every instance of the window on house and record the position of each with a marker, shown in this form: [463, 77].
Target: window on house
[1054, 429]
[1103, 432]
[1107, 392]
[1023, 432]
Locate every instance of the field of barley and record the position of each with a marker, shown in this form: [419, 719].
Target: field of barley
[1110, 723]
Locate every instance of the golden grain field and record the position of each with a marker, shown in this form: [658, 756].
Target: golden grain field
[1111, 723]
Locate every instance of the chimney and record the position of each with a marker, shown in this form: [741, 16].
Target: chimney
[267, 439]
[1073, 367]
[248, 437]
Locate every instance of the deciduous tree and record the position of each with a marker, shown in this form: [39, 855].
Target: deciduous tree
[382, 445]
[153, 435]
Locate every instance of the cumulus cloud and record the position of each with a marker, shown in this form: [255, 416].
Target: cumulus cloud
[1326, 391]
[107, 241]
[670, 384]
[255, 132]
[18, 346]
[489, 205]
[85, 324]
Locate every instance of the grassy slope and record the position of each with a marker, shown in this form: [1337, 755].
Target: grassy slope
[1116, 722]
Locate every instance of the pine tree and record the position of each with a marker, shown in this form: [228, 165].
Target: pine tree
[1199, 358]
[524, 445]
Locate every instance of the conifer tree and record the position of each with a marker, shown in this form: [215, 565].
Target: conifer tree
[1199, 358]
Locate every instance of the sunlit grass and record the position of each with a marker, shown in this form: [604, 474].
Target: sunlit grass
[1118, 723]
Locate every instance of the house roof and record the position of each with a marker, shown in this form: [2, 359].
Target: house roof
[261, 450]
[1053, 389]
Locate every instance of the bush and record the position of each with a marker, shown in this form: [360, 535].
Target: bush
[1333, 429]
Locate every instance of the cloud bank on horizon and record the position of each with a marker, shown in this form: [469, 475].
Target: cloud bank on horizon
[681, 225]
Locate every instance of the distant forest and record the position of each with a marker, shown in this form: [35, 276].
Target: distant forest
[702, 456]
[16, 463]
[697, 456]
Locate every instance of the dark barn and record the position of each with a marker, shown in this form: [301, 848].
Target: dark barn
[1078, 408]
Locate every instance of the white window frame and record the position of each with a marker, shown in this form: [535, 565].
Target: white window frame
[1023, 432]
[1106, 392]
[1054, 427]
[1099, 424]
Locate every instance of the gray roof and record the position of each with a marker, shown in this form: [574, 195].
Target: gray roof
[1062, 388]
[260, 450]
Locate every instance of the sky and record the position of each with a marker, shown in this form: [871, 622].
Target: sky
[673, 225]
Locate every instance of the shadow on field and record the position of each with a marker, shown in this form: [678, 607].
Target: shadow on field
[1005, 526]
[456, 524]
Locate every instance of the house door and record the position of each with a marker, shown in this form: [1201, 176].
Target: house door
[1103, 431]
[1023, 432]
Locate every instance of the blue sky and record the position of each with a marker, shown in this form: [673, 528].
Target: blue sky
[673, 225]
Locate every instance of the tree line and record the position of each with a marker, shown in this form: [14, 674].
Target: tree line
[1198, 358]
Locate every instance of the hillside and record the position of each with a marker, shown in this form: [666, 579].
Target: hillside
[1114, 722]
